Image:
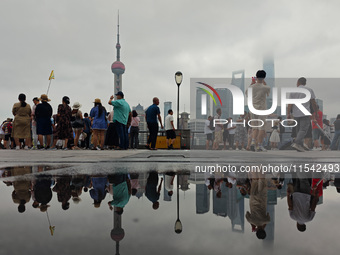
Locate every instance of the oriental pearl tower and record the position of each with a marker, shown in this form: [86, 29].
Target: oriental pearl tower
[118, 68]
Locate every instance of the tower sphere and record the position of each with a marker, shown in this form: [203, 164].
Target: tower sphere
[118, 67]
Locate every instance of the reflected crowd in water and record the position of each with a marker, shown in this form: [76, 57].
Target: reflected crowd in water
[34, 187]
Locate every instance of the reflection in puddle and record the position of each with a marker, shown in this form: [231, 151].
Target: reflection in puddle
[158, 205]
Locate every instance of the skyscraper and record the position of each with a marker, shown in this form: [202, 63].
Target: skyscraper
[167, 107]
[202, 112]
[118, 68]
[319, 102]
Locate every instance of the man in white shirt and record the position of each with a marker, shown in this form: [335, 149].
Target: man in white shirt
[169, 182]
[170, 130]
[208, 132]
[260, 94]
[303, 121]
[301, 204]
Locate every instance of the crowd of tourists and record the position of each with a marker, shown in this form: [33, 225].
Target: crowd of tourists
[310, 133]
[37, 127]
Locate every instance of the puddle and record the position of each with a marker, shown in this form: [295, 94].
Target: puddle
[168, 212]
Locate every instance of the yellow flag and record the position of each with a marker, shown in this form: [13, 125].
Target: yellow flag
[52, 230]
[52, 75]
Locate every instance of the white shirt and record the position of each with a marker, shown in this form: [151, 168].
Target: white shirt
[207, 129]
[296, 111]
[231, 131]
[167, 182]
[260, 93]
[168, 120]
[301, 208]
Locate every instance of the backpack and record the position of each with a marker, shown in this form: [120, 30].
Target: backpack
[7, 127]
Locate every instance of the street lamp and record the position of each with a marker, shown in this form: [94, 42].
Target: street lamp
[178, 223]
[178, 79]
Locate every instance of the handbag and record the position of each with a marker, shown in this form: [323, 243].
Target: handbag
[78, 123]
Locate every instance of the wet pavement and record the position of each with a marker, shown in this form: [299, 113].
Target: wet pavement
[128, 202]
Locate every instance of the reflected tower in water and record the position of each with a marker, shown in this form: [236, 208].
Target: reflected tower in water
[117, 233]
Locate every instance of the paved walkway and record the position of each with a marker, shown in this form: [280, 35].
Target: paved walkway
[162, 160]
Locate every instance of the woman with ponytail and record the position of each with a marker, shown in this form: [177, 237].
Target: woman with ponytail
[22, 122]
[99, 124]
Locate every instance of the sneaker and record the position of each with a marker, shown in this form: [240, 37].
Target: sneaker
[262, 148]
[298, 147]
[34, 148]
[305, 146]
[65, 149]
[257, 149]
[237, 149]
[26, 148]
[316, 149]
[17, 147]
[243, 149]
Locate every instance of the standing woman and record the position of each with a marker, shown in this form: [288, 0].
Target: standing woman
[22, 122]
[43, 114]
[99, 125]
[64, 129]
[78, 124]
[134, 131]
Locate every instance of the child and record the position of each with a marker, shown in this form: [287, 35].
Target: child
[275, 136]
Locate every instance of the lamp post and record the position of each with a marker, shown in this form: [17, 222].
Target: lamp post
[178, 223]
[178, 79]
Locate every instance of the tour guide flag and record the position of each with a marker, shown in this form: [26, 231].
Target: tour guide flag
[50, 79]
[52, 75]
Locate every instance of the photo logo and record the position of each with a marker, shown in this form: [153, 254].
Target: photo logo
[239, 100]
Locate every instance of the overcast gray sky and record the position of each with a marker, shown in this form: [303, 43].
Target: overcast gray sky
[200, 38]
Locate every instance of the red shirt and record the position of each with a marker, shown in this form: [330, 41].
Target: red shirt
[319, 120]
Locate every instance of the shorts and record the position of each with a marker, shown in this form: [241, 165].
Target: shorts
[8, 137]
[209, 137]
[316, 133]
[170, 134]
[326, 141]
[255, 121]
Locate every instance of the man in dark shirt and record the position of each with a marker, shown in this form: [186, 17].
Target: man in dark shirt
[336, 134]
[151, 191]
[151, 115]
